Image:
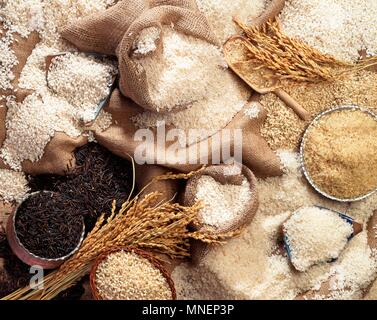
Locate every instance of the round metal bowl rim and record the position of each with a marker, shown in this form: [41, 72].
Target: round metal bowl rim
[28, 251]
[302, 151]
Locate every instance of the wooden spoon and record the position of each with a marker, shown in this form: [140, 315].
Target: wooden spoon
[252, 76]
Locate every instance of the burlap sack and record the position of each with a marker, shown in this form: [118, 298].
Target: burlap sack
[144, 176]
[119, 139]
[225, 175]
[58, 155]
[115, 31]
[6, 209]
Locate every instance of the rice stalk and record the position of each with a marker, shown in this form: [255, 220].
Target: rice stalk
[291, 59]
[140, 223]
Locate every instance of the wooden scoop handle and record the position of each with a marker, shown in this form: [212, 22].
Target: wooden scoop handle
[293, 104]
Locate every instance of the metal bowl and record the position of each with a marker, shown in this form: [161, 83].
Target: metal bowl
[302, 153]
[24, 254]
[357, 228]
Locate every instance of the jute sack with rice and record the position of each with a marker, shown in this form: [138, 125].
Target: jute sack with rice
[133, 29]
[58, 153]
[229, 202]
[22, 48]
[134, 42]
[256, 154]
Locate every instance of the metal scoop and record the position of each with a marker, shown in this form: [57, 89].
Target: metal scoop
[253, 75]
[357, 228]
[101, 104]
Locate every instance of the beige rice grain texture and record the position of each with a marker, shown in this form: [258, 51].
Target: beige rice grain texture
[83, 81]
[200, 81]
[283, 129]
[315, 236]
[340, 153]
[8, 61]
[220, 13]
[222, 203]
[252, 267]
[338, 27]
[147, 41]
[128, 276]
[13, 186]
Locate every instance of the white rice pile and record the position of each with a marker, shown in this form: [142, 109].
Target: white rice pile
[222, 203]
[220, 14]
[337, 27]
[315, 236]
[32, 124]
[83, 81]
[200, 80]
[147, 41]
[14, 186]
[8, 61]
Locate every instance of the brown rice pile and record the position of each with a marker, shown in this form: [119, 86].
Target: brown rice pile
[128, 276]
[340, 153]
[283, 129]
